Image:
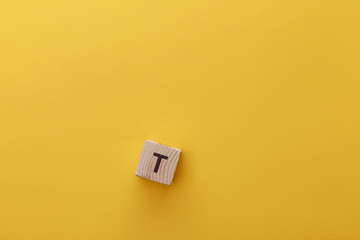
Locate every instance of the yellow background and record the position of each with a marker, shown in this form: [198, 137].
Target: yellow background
[263, 98]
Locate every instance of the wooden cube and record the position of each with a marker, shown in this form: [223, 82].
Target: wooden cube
[158, 162]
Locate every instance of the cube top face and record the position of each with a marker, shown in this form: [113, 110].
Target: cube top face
[158, 162]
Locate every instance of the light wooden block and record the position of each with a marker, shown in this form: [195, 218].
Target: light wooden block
[158, 162]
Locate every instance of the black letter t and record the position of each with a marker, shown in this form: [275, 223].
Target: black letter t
[159, 156]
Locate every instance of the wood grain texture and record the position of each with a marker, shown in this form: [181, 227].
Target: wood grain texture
[147, 163]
